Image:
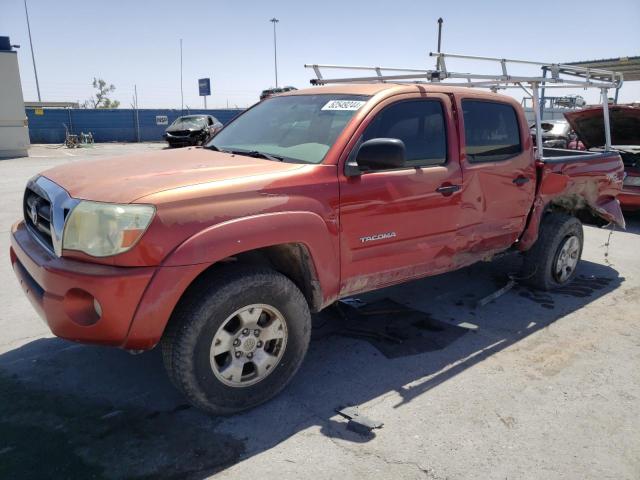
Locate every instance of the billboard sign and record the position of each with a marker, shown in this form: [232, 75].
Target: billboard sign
[204, 85]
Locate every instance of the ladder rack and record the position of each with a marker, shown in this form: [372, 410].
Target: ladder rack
[579, 76]
[554, 75]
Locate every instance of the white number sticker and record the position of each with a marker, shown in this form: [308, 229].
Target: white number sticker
[345, 105]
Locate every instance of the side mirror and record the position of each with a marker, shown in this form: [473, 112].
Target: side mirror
[381, 154]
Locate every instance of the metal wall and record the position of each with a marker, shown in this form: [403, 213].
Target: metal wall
[117, 125]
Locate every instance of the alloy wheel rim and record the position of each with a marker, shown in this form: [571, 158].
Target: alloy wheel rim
[248, 345]
[567, 259]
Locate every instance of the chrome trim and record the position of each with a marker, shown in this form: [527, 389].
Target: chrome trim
[60, 201]
[39, 240]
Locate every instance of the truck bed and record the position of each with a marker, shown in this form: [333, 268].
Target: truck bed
[586, 183]
[562, 155]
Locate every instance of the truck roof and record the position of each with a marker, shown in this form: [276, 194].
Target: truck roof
[394, 88]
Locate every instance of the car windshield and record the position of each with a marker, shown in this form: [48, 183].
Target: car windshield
[299, 128]
[189, 122]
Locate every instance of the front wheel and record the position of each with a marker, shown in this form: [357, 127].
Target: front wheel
[237, 339]
[553, 260]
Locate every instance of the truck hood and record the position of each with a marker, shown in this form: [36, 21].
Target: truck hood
[127, 178]
[589, 125]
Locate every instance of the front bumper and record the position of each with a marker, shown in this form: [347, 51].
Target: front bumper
[180, 140]
[62, 291]
[630, 198]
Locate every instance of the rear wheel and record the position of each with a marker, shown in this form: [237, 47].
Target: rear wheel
[237, 339]
[552, 261]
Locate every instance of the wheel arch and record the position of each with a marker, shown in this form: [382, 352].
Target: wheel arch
[599, 213]
[305, 254]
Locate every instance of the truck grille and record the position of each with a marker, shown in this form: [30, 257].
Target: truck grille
[46, 206]
[37, 216]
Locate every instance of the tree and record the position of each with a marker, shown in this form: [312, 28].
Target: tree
[102, 99]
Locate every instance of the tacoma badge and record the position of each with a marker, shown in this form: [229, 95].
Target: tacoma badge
[378, 236]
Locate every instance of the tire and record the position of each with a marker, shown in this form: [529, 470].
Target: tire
[207, 313]
[559, 232]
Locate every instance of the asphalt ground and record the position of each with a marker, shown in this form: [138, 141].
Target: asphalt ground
[532, 385]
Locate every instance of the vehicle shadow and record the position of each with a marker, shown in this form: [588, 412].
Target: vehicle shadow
[633, 222]
[96, 412]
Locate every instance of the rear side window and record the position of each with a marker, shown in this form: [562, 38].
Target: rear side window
[419, 124]
[491, 131]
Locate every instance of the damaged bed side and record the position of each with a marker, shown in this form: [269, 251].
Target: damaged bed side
[582, 184]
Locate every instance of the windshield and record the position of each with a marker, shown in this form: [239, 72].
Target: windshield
[298, 128]
[189, 122]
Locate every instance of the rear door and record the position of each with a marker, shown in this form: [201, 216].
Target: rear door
[499, 174]
[401, 224]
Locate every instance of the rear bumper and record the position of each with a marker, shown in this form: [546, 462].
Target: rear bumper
[62, 291]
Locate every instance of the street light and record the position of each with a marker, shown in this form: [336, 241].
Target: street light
[33, 58]
[181, 90]
[274, 20]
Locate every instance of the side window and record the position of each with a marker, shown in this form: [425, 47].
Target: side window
[419, 124]
[211, 120]
[491, 131]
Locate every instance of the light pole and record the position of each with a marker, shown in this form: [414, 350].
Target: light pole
[181, 91]
[33, 58]
[274, 20]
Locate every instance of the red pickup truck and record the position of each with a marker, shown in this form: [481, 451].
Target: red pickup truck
[220, 253]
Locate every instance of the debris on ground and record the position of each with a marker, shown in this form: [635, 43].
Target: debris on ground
[607, 244]
[489, 298]
[358, 423]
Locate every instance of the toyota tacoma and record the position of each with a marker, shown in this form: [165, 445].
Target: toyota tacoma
[221, 253]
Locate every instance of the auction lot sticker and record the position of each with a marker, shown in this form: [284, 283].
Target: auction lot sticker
[345, 105]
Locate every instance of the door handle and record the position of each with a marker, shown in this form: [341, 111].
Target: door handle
[519, 181]
[447, 189]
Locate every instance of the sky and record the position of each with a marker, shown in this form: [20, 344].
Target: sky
[137, 43]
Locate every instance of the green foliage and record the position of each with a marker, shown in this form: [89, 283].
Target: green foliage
[101, 99]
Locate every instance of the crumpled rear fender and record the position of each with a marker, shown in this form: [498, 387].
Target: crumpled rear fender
[574, 187]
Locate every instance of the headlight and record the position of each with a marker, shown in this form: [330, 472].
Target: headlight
[632, 181]
[105, 229]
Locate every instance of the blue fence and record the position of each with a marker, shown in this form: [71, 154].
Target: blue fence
[117, 125]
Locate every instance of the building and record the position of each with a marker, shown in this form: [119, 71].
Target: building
[14, 134]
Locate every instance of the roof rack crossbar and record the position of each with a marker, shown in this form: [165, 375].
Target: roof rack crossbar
[585, 77]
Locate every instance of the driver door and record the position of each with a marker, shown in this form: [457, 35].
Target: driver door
[401, 224]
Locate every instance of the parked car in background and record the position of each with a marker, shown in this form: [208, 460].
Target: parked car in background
[191, 130]
[588, 124]
[270, 92]
[557, 134]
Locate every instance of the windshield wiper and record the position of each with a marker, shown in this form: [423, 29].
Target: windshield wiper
[256, 154]
[248, 153]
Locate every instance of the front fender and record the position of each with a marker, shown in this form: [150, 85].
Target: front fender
[225, 240]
